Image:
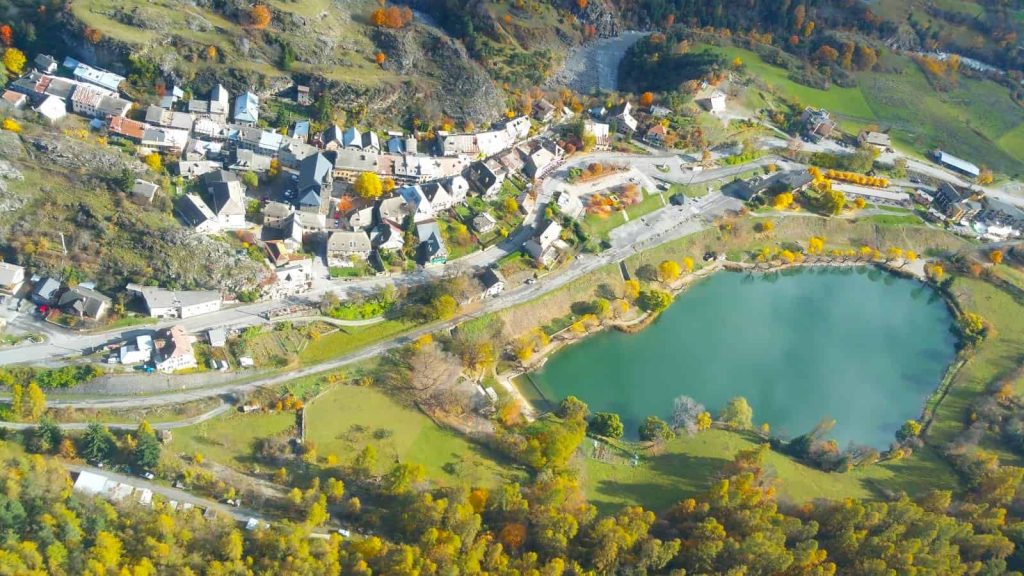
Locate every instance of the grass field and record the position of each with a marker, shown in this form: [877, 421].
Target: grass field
[350, 339]
[978, 120]
[230, 438]
[689, 466]
[997, 355]
[346, 418]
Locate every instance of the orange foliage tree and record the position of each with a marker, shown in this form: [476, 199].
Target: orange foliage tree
[646, 99]
[380, 58]
[259, 16]
[6, 36]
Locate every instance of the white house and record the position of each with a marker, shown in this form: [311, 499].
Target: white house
[493, 281]
[52, 108]
[177, 352]
[600, 131]
[195, 213]
[163, 303]
[417, 202]
[226, 199]
[135, 352]
[344, 246]
[569, 204]
[247, 109]
[542, 247]
[12, 277]
[713, 102]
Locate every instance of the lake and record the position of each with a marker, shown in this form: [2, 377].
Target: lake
[855, 344]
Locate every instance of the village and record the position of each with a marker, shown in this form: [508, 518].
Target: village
[323, 210]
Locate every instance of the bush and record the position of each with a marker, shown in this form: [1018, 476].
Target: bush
[606, 424]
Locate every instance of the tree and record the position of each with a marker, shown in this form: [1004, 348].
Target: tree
[250, 179]
[97, 443]
[14, 60]
[685, 414]
[47, 435]
[860, 203]
[146, 454]
[737, 413]
[910, 429]
[368, 185]
[572, 408]
[646, 99]
[6, 35]
[11, 125]
[688, 264]
[606, 424]
[909, 255]
[154, 162]
[654, 429]
[985, 176]
[654, 300]
[704, 421]
[815, 245]
[444, 307]
[17, 400]
[67, 449]
[317, 514]
[36, 401]
[380, 58]
[935, 271]
[995, 256]
[668, 270]
[631, 290]
[259, 16]
[782, 201]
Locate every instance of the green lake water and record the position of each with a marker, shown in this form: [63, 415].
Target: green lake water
[855, 344]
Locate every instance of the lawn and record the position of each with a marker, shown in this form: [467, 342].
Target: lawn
[688, 466]
[230, 438]
[998, 355]
[346, 418]
[349, 339]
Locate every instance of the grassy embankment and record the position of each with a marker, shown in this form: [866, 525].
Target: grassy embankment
[978, 120]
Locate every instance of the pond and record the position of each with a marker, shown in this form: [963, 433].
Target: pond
[855, 344]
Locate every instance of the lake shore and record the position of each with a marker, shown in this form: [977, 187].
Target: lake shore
[565, 337]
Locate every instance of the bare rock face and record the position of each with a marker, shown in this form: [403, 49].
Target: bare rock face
[464, 90]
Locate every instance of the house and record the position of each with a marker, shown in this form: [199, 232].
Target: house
[171, 96]
[393, 209]
[543, 158]
[542, 247]
[275, 213]
[52, 108]
[334, 138]
[387, 236]
[396, 144]
[302, 95]
[955, 203]
[294, 152]
[192, 169]
[439, 197]
[45, 291]
[713, 102]
[247, 108]
[957, 164]
[167, 140]
[600, 132]
[526, 201]
[621, 116]
[343, 247]
[661, 111]
[45, 63]
[656, 134]
[14, 99]
[248, 161]
[457, 187]
[432, 249]
[486, 177]
[203, 150]
[256, 139]
[226, 199]
[493, 281]
[746, 189]
[543, 111]
[195, 213]
[293, 278]
[176, 353]
[97, 76]
[217, 337]
[144, 190]
[84, 302]
[794, 181]
[418, 203]
[349, 164]
[141, 350]
[569, 205]
[299, 130]
[169, 118]
[210, 129]
[216, 108]
[126, 128]
[484, 223]
[163, 303]
[877, 140]
[316, 180]
[817, 122]
[91, 102]
[12, 277]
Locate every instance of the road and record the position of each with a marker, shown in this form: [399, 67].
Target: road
[656, 228]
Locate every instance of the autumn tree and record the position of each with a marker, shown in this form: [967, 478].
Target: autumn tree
[14, 60]
[647, 99]
[259, 16]
[737, 413]
[704, 421]
[985, 176]
[668, 270]
[687, 264]
[11, 125]
[36, 401]
[6, 35]
[782, 201]
[368, 185]
[380, 58]
[154, 161]
[995, 256]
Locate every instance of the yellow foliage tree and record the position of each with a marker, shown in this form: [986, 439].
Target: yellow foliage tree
[368, 185]
[782, 201]
[688, 263]
[14, 60]
[11, 125]
[631, 290]
[703, 421]
[153, 160]
[815, 245]
[668, 270]
[995, 256]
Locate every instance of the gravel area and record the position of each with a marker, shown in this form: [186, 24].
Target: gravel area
[595, 66]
